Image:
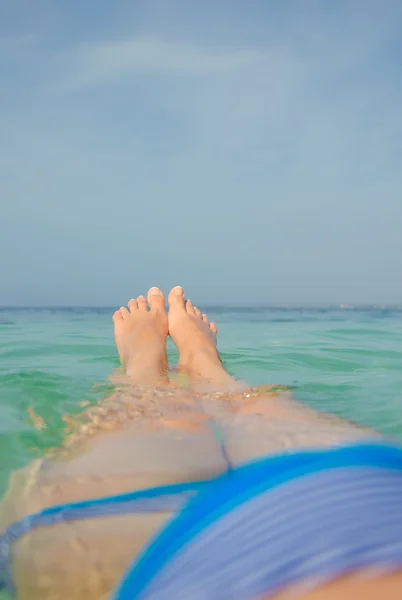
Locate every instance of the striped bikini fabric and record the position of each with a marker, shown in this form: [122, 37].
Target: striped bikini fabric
[308, 529]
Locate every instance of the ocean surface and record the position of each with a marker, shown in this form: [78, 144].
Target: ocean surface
[346, 361]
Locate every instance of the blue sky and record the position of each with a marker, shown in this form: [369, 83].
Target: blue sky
[249, 151]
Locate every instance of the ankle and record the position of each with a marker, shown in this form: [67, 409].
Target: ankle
[205, 364]
[204, 358]
[147, 367]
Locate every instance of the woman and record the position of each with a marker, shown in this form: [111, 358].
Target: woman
[188, 446]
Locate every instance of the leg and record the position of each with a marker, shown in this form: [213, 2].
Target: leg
[157, 438]
[252, 423]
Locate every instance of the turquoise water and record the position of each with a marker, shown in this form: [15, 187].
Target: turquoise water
[348, 362]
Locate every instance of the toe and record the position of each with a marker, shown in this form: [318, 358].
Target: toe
[142, 303]
[213, 328]
[124, 312]
[156, 299]
[189, 307]
[117, 316]
[205, 319]
[197, 312]
[176, 297]
[132, 305]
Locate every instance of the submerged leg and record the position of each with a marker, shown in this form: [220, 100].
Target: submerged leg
[157, 438]
[255, 422]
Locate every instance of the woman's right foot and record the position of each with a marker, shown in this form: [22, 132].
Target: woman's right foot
[195, 338]
[140, 336]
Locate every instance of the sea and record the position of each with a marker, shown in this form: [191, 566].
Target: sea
[344, 360]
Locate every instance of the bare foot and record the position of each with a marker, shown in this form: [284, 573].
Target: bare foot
[195, 338]
[141, 338]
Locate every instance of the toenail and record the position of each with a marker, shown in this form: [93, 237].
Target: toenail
[178, 290]
[154, 290]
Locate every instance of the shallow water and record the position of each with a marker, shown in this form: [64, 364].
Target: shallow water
[348, 362]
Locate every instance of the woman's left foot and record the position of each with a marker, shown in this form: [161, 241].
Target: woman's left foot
[140, 336]
[195, 338]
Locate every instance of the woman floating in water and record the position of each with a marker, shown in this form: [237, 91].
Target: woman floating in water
[212, 491]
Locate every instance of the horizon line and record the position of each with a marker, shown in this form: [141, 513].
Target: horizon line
[340, 306]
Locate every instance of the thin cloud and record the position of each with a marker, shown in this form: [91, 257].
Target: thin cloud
[95, 64]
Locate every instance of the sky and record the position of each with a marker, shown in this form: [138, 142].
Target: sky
[250, 151]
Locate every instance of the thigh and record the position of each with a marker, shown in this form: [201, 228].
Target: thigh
[85, 559]
[255, 425]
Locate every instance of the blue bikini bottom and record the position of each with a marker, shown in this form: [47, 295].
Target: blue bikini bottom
[302, 517]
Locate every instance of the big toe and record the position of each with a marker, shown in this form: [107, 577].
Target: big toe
[176, 297]
[156, 300]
